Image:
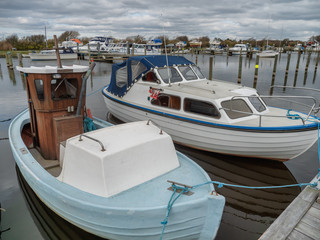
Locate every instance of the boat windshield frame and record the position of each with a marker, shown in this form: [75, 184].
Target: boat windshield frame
[195, 70]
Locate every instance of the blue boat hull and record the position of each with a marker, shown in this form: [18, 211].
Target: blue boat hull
[133, 214]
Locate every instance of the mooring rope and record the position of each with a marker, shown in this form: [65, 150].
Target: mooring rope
[92, 93]
[220, 185]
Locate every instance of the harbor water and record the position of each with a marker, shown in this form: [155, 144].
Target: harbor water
[247, 214]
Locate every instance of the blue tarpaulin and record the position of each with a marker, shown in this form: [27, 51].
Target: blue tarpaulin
[149, 62]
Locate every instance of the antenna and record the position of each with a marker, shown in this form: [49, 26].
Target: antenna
[165, 50]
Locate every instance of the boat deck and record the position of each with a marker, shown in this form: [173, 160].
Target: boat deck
[52, 166]
[300, 220]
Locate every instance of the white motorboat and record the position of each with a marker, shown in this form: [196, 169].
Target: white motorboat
[111, 182]
[268, 54]
[238, 48]
[213, 115]
[65, 54]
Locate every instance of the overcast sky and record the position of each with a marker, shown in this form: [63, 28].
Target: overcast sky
[236, 19]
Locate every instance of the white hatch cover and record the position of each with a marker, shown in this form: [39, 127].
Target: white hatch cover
[134, 153]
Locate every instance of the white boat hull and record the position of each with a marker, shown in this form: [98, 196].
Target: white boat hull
[277, 145]
[44, 57]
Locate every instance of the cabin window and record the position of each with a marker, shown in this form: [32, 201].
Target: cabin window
[137, 68]
[201, 107]
[187, 73]
[64, 88]
[169, 101]
[236, 108]
[196, 69]
[171, 72]
[39, 88]
[257, 103]
[121, 77]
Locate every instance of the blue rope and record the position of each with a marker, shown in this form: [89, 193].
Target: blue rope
[220, 185]
[95, 91]
[88, 125]
[292, 116]
[170, 204]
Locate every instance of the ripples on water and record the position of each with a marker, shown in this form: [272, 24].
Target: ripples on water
[247, 212]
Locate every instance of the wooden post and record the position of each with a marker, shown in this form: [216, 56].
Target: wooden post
[89, 53]
[316, 67]
[297, 68]
[7, 59]
[210, 67]
[145, 49]
[57, 51]
[20, 59]
[274, 73]
[308, 61]
[10, 65]
[287, 71]
[196, 59]
[256, 72]
[240, 67]
[132, 52]
[128, 48]
[98, 48]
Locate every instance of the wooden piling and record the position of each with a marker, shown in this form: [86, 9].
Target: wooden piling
[287, 71]
[145, 49]
[297, 68]
[240, 67]
[308, 61]
[196, 58]
[20, 59]
[255, 80]
[132, 52]
[316, 67]
[128, 48]
[10, 64]
[210, 67]
[7, 59]
[274, 73]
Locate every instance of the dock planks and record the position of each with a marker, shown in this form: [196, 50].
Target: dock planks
[300, 220]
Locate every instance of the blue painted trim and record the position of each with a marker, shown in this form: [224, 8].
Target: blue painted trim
[298, 127]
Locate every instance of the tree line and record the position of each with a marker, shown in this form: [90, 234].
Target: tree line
[39, 42]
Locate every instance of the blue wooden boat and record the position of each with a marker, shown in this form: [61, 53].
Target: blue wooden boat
[111, 182]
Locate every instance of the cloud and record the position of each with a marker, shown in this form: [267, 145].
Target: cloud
[295, 19]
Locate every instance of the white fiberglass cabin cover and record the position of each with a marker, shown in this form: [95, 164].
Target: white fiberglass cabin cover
[134, 153]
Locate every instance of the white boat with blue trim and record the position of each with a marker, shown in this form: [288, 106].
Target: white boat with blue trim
[215, 116]
[112, 181]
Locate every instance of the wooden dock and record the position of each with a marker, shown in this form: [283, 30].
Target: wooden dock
[300, 220]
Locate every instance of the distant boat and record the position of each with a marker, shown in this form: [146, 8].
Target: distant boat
[65, 54]
[268, 54]
[111, 182]
[238, 48]
[215, 116]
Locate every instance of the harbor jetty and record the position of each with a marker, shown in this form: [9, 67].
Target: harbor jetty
[301, 219]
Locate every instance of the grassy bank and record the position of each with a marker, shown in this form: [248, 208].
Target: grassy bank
[14, 53]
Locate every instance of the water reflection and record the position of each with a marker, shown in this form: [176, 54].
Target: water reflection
[12, 76]
[248, 212]
[48, 223]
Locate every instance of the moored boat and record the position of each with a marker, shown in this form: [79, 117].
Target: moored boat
[111, 182]
[65, 54]
[268, 54]
[214, 115]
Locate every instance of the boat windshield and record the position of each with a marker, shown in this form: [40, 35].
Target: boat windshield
[187, 73]
[196, 69]
[257, 103]
[171, 72]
